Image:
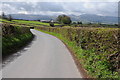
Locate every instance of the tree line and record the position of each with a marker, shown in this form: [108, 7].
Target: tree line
[9, 17]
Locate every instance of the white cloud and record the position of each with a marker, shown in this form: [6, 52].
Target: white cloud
[23, 12]
[22, 8]
[54, 8]
[89, 5]
[0, 8]
[60, 1]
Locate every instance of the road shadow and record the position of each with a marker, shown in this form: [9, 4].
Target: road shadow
[17, 53]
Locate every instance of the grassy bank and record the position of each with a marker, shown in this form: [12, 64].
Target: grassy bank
[27, 23]
[93, 47]
[14, 38]
[32, 22]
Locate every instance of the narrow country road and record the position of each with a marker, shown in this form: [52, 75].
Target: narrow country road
[47, 57]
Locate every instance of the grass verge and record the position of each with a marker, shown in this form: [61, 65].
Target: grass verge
[96, 69]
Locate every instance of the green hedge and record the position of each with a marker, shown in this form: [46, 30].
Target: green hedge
[98, 48]
[13, 38]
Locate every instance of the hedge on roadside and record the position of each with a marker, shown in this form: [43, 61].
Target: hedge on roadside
[13, 38]
[100, 45]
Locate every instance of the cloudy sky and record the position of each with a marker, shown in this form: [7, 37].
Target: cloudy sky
[56, 7]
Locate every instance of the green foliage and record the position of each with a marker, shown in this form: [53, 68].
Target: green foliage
[96, 48]
[27, 23]
[9, 18]
[12, 43]
[64, 19]
[79, 22]
[3, 15]
[74, 23]
[51, 24]
[14, 38]
[96, 25]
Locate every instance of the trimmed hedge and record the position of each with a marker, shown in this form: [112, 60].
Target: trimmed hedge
[100, 45]
[14, 38]
[9, 30]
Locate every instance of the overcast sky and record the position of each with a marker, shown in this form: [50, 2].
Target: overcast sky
[56, 7]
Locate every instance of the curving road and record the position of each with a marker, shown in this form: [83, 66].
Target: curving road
[47, 57]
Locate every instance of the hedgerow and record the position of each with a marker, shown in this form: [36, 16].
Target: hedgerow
[13, 38]
[96, 48]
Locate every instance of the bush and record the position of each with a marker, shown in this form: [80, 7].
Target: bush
[99, 48]
[52, 24]
[9, 18]
[64, 19]
[14, 38]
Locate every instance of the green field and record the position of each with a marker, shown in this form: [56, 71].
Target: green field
[27, 23]
[95, 48]
[37, 23]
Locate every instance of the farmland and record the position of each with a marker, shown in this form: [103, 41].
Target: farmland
[60, 39]
[28, 23]
[95, 48]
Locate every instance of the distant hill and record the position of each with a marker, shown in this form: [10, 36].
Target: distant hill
[95, 18]
[84, 18]
[32, 17]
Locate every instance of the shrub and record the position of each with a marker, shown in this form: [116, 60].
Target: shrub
[51, 24]
[14, 38]
[64, 19]
[99, 48]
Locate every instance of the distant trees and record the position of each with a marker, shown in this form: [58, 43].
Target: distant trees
[8, 17]
[64, 19]
[3, 15]
[51, 24]
[39, 20]
[116, 24]
[74, 23]
[89, 23]
[79, 22]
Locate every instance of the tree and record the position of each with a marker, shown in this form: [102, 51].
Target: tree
[79, 22]
[89, 23]
[51, 24]
[64, 19]
[74, 23]
[59, 18]
[3, 15]
[10, 18]
[39, 20]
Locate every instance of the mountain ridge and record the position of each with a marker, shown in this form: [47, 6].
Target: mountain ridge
[84, 18]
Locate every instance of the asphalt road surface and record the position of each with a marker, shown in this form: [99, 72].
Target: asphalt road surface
[47, 57]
